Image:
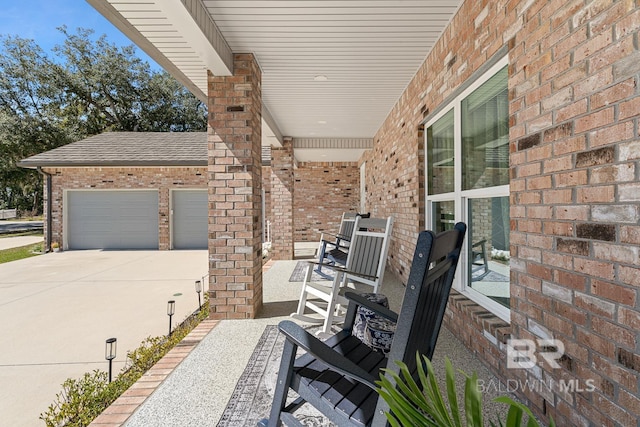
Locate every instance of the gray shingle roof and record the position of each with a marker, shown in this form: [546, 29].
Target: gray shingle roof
[128, 149]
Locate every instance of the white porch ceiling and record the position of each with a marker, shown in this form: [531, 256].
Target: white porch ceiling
[365, 53]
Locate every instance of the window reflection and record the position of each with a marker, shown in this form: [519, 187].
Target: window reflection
[488, 237]
[485, 134]
[440, 163]
[443, 215]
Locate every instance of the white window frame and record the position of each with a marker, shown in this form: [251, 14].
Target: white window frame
[363, 187]
[460, 197]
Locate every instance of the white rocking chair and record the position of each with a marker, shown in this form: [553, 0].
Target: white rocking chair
[366, 261]
[335, 251]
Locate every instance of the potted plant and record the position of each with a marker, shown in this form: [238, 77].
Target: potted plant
[423, 404]
[55, 246]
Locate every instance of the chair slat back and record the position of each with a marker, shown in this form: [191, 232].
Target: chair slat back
[347, 224]
[425, 300]
[366, 254]
[346, 228]
[369, 248]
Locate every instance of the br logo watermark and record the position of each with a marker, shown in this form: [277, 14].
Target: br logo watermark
[521, 353]
[527, 354]
[537, 386]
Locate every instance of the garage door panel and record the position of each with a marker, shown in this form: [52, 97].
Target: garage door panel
[190, 219]
[112, 219]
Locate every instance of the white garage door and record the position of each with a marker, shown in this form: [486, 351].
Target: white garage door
[112, 219]
[190, 219]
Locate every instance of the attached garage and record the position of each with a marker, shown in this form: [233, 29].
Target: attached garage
[99, 219]
[189, 209]
[127, 190]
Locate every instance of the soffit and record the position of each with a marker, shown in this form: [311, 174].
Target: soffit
[367, 50]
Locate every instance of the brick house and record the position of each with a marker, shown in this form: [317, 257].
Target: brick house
[126, 190]
[521, 119]
[148, 190]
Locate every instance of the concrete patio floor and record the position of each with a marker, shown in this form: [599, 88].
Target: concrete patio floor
[197, 391]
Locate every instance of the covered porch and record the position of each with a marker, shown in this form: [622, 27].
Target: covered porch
[519, 118]
[207, 385]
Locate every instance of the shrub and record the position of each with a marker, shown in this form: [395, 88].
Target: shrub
[499, 255]
[82, 400]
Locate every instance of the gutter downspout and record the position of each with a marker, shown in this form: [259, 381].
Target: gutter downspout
[47, 176]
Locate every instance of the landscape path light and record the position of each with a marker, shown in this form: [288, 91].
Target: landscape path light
[171, 309]
[198, 290]
[110, 352]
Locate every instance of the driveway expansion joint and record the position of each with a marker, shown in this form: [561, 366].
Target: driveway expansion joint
[117, 414]
[124, 406]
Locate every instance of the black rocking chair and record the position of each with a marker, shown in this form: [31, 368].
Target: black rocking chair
[338, 376]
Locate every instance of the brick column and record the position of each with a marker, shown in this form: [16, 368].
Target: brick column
[235, 222]
[164, 218]
[282, 200]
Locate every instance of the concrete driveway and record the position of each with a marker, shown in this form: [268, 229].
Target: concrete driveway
[57, 310]
[16, 242]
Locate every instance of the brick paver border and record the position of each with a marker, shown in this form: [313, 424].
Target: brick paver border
[125, 405]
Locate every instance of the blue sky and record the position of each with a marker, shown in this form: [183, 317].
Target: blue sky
[38, 20]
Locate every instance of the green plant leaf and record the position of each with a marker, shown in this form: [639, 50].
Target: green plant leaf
[424, 383]
[473, 401]
[451, 392]
[441, 413]
[401, 404]
[412, 404]
[516, 411]
[514, 416]
[392, 420]
[421, 399]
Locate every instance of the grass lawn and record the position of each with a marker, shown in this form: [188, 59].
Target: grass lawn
[14, 254]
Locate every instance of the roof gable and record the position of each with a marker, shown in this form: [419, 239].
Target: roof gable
[127, 149]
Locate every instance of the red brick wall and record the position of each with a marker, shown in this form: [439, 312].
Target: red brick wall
[322, 193]
[575, 234]
[282, 201]
[395, 184]
[575, 150]
[235, 183]
[161, 179]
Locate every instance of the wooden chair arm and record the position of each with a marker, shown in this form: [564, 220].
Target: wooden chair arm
[336, 236]
[303, 339]
[377, 308]
[479, 243]
[343, 270]
[332, 243]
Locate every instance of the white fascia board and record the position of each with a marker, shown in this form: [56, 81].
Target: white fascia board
[195, 24]
[271, 134]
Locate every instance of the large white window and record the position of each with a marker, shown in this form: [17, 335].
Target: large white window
[467, 179]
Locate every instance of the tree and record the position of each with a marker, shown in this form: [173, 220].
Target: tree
[88, 87]
[28, 102]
